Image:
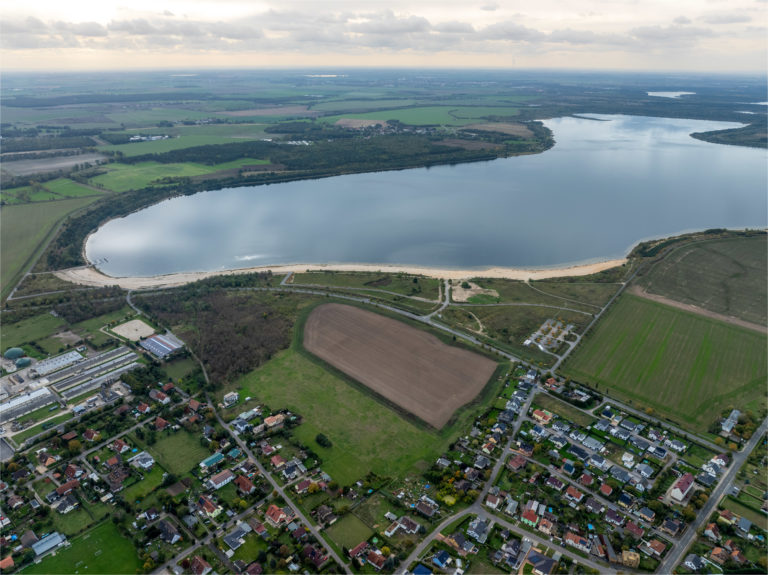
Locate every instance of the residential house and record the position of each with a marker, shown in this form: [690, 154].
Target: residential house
[199, 566]
[277, 461]
[210, 462]
[547, 526]
[325, 515]
[542, 565]
[221, 479]
[277, 517]
[594, 506]
[91, 435]
[120, 446]
[376, 559]
[634, 529]
[168, 532]
[682, 488]
[530, 518]
[577, 541]
[244, 485]
[719, 555]
[68, 487]
[315, 556]
[672, 526]
[614, 518]
[555, 483]
[517, 463]
[693, 562]
[67, 503]
[159, 397]
[143, 408]
[478, 530]
[573, 494]
[208, 507]
[712, 532]
[656, 548]
[160, 424]
[647, 514]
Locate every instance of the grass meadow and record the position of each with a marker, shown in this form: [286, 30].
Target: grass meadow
[178, 452]
[726, 276]
[24, 230]
[349, 531]
[685, 366]
[124, 177]
[100, 550]
[399, 283]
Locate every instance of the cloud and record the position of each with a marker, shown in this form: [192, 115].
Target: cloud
[454, 28]
[682, 20]
[490, 7]
[670, 34]
[726, 18]
[511, 31]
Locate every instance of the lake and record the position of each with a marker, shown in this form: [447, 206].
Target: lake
[608, 183]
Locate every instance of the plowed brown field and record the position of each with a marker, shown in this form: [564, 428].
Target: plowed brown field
[409, 367]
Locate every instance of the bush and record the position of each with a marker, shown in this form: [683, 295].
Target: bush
[323, 441]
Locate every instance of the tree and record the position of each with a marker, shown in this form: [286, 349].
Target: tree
[74, 446]
[323, 441]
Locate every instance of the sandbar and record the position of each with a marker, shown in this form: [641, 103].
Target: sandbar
[90, 276]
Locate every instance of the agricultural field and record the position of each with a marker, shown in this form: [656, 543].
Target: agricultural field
[725, 276]
[432, 115]
[366, 435]
[408, 367]
[404, 284]
[101, 550]
[685, 366]
[23, 231]
[33, 329]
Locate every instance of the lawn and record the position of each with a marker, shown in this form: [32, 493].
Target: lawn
[66, 188]
[349, 531]
[100, 550]
[585, 297]
[139, 490]
[563, 409]
[683, 365]
[180, 368]
[399, 283]
[366, 435]
[179, 453]
[249, 550]
[726, 276]
[755, 517]
[24, 230]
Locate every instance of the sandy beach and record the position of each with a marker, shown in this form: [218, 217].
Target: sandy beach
[89, 276]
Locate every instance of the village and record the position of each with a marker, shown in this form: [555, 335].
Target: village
[549, 479]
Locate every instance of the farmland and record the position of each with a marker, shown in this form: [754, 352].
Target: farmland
[25, 228]
[432, 115]
[685, 366]
[408, 367]
[366, 436]
[101, 550]
[725, 276]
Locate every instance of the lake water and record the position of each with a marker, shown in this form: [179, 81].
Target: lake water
[605, 186]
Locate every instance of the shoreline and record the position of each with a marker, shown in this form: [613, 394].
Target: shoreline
[90, 276]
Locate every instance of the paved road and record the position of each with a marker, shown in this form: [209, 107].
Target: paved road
[277, 487]
[677, 553]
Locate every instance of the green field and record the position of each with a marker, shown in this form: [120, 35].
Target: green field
[124, 177]
[685, 366]
[100, 550]
[589, 297]
[24, 229]
[366, 435]
[160, 146]
[179, 453]
[145, 486]
[424, 287]
[563, 409]
[726, 276]
[349, 531]
[432, 115]
[30, 329]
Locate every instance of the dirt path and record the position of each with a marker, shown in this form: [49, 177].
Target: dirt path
[638, 291]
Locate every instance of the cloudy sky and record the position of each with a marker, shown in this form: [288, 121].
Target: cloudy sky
[685, 35]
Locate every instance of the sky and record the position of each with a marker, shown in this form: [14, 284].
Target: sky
[651, 35]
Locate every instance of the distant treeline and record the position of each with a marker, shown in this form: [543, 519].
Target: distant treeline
[45, 143]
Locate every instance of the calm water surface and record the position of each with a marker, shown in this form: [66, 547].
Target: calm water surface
[604, 186]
